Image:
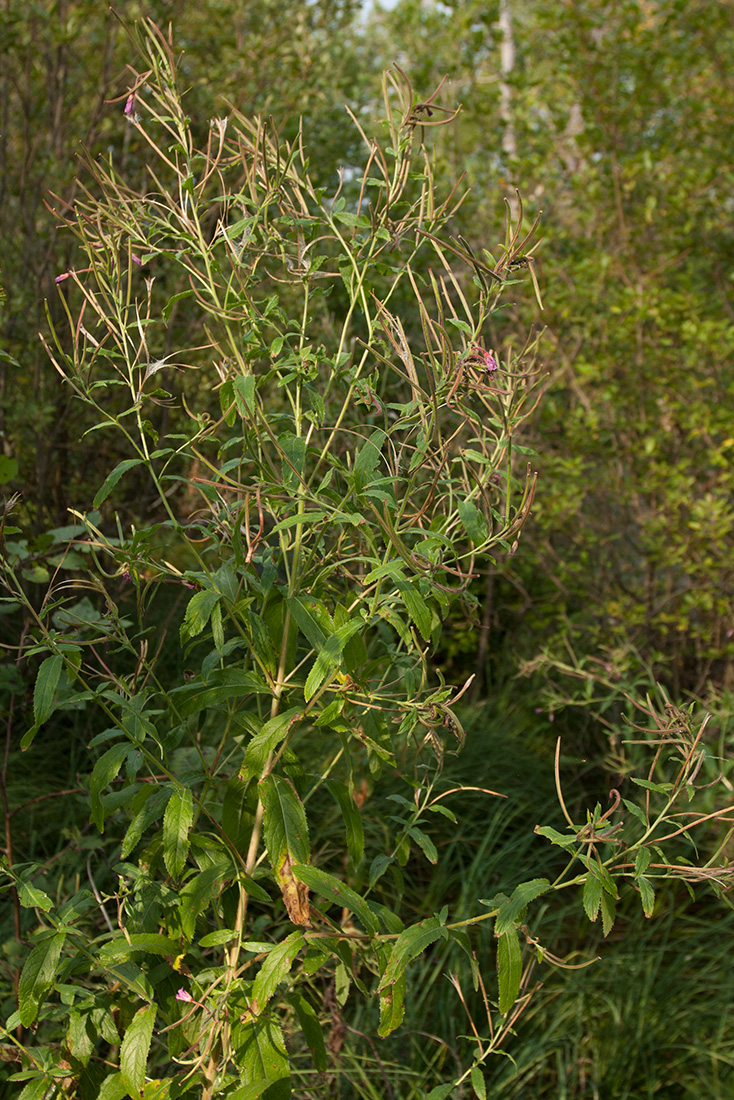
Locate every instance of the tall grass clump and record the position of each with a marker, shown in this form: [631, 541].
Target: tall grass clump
[249, 651]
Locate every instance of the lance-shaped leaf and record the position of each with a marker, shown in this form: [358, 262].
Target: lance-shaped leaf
[46, 683]
[285, 830]
[103, 773]
[312, 1031]
[135, 1048]
[274, 969]
[329, 657]
[521, 895]
[262, 1056]
[352, 818]
[409, 944]
[177, 821]
[509, 969]
[113, 478]
[338, 893]
[38, 976]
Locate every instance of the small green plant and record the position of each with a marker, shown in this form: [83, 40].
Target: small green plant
[322, 475]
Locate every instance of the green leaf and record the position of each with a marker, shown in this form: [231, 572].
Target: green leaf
[473, 522]
[274, 969]
[416, 607]
[659, 788]
[592, 895]
[329, 657]
[152, 943]
[312, 1031]
[647, 895]
[262, 1056]
[636, 811]
[441, 1092]
[285, 830]
[30, 897]
[338, 893]
[608, 912]
[113, 478]
[150, 811]
[408, 945]
[113, 1088]
[78, 1038]
[177, 821]
[46, 683]
[312, 619]
[105, 770]
[198, 613]
[38, 976]
[135, 1048]
[352, 818]
[272, 733]
[36, 1089]
[244, 393]
[478, 1083]
[253, 1091]
[425, 843]
[509, 969]
[521, 896]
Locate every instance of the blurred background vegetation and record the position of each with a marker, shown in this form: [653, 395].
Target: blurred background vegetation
[616, 119]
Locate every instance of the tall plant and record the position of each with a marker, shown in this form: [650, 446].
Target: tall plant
[321, 514]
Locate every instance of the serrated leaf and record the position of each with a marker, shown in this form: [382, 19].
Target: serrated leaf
[659, 788]
[521, 896]
[329, 656]
[592, 895]
[150, 811]
[77, 1037]
[441, 1092]
[509, 969]
[425, 843]
[338, 893]
[113, 478]
[563, 840]
[285, 830]
[642, 860]
[636, 811]
[274, 969]
[37, 1089]
[38, 976]
[152, 943]
[647, 895]
[135, 1048]
[112, 1088]
[608, 912]
[472, 520]
[177, 822]
[478, 1083]
[408, 945]
[45, 686]
[30, 897]
[198, 613]
[416, 607]
[262, 1056]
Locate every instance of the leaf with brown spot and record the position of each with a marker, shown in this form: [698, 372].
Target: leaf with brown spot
[285, 830]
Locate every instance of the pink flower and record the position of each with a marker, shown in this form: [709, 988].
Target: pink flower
[137, 260]
[183, 995]
[62, 278]
[129, 106]
[486, 358]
